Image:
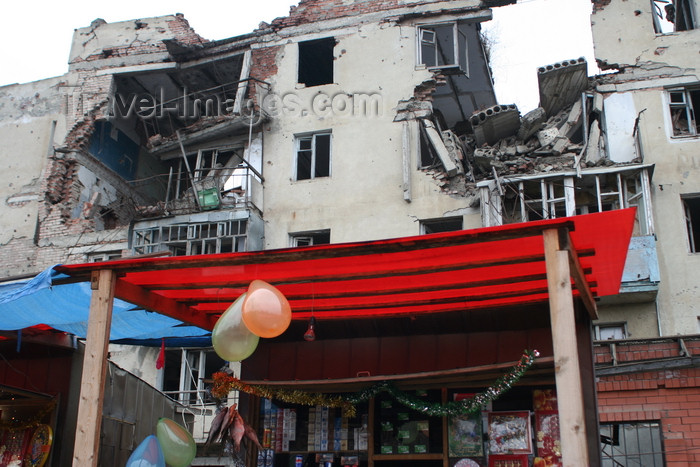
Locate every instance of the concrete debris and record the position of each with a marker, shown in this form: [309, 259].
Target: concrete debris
[411, 109]
[593, 153]
[561, 84]
[441, 150]
[547, 136]
[494, 123]
[531, 122]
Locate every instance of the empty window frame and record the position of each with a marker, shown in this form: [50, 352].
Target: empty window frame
[548, 198]
[184, 372]
[673, 15]
[316, 61]
[206, 168]
[634, 443]
[313, 156]
[99, 257]
[317, 237]
[691, 210]
[442, 46]
[443, 224]
[192, 239]
[531, 200]
[682, 103]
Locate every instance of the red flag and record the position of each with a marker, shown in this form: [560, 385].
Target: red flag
[160, 361]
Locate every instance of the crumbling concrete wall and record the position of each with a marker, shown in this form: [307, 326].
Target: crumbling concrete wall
[648, 64]
[364, 196]
[31, 123]
[125, 43]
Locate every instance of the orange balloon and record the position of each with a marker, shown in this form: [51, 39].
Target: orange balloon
[265, 310]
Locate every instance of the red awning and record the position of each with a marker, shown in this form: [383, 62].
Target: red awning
[445, 272]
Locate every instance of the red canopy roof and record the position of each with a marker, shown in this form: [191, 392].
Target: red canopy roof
[469, 269]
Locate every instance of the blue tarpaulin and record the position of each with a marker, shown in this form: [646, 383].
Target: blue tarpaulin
[66, 307]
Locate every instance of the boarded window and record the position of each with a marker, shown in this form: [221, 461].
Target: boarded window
[316, 61]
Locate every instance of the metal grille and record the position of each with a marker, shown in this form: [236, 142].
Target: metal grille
[631, 444]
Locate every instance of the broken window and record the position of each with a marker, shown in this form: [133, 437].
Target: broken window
[202, 238]
[184, 372]
[443, 46]
[443, 224]
[633, 443]
[691, 208]
[682, 103]
[316, 61]
[530, 199]
[319, 237]
[610, 331]
[313, 156]
[99, 257]
[208, 171]
[673, 15]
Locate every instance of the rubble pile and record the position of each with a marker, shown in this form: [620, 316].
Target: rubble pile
[564, 133]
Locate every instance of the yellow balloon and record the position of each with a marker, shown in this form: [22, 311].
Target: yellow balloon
[177, 443]
[230, 337]
[266, 311]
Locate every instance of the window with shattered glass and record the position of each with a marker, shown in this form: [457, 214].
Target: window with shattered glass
[673, 15]
[682, 104]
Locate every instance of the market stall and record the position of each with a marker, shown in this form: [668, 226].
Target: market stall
[443, 315]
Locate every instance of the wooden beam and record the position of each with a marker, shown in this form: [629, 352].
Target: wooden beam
[80, 272]
[567, 372]
[165, 306]
[580, 277]
[89, 422]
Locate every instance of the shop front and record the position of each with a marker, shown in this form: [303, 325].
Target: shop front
[452, 349]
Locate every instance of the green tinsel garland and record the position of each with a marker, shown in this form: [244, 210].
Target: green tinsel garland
[224, 383]
[462, 407]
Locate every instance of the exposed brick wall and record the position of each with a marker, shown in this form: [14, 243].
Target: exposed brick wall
[183, 32]
[635, 352]
[263, 65]
[599, 4]
[150, 42]
[310, 11]
[18, 257]
[670, 397]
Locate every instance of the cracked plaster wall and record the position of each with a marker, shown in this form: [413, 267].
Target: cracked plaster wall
[27, 113]
[623, 34]
[366, 185]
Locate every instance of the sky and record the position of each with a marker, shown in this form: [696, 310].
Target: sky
[36, 36]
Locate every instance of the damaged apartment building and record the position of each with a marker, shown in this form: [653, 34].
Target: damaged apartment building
[352, 121]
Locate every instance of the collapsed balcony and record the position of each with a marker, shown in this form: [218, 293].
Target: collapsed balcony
[207, 179]
[189, 102]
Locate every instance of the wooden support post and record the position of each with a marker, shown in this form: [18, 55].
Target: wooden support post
[89, 423]
[567, 372]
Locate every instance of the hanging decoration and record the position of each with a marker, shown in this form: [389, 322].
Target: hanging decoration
[231, 339]
[228, 427]
[265, 310]
[224, 383]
